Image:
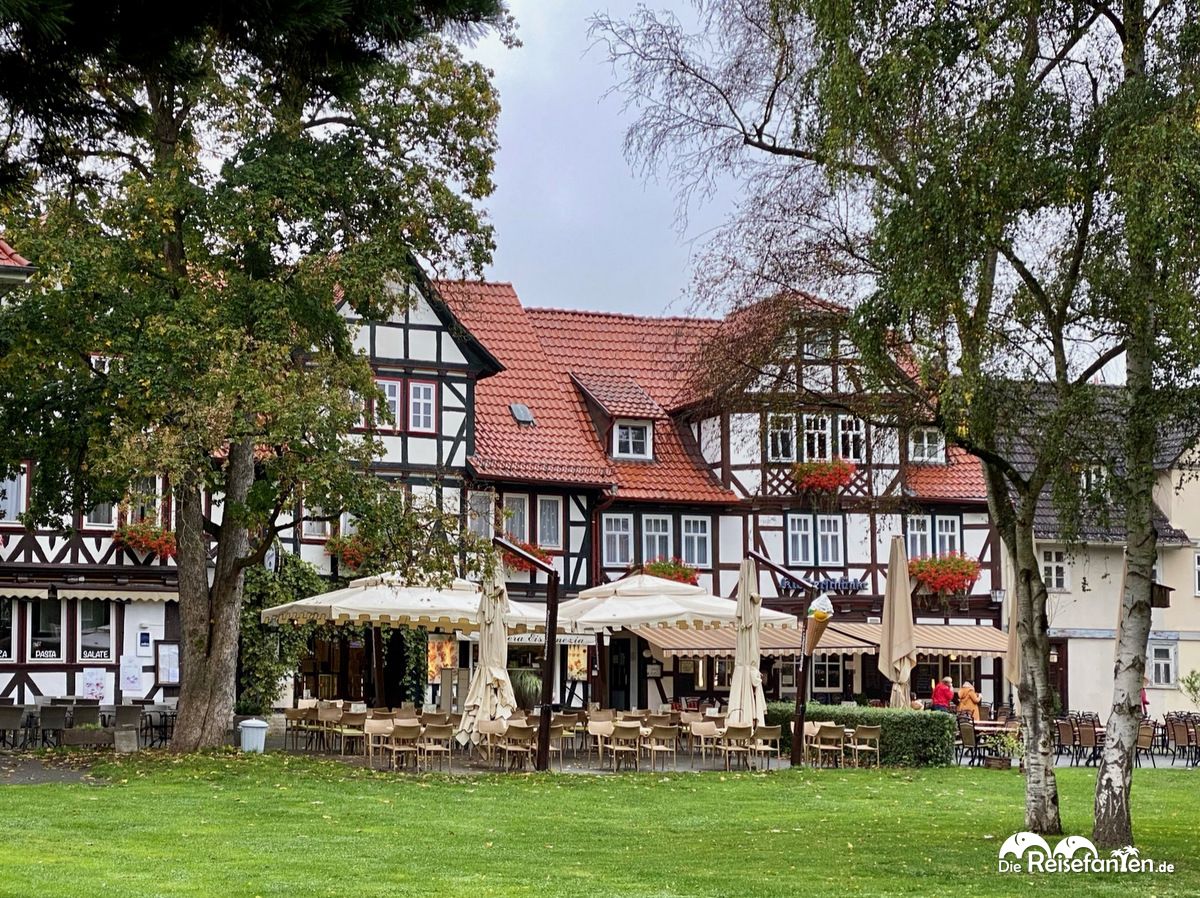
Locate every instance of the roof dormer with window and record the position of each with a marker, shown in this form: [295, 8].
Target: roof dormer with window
[633, 439]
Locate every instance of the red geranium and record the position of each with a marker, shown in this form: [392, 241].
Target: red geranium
[952, 574]
[146, 537]
[824, 476]
[517, 563]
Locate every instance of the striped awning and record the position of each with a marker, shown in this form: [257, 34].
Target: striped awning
[839, 638]
[17, 591]
[118, 594]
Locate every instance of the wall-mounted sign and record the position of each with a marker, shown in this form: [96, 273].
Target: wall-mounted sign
[828, 584]
[167, 666]
[131, 675]
[654, 670]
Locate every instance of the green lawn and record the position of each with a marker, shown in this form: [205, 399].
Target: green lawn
[274, 825]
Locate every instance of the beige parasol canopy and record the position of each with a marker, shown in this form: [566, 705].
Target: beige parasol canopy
[747, 702]
[641, 600]
[897, 645]
[387, 599]
[490, 696]
[1012, 655]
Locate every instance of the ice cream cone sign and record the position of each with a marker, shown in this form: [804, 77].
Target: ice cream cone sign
[820, 612]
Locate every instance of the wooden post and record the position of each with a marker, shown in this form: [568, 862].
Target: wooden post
[601, 693]
[542, 761]
[801, 705]
[377, 667]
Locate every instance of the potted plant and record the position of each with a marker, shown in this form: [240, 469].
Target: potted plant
[517, 563]
[948, 575]
[1004, 747]
[672, 569]
[527, 688]
[145, 536]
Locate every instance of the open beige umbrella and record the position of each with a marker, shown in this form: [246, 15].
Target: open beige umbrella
[490, 695]
[897, 645]
[747, 702]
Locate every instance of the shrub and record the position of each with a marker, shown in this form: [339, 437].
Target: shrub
[527, 687]
[517, 563]
[672, 569]
[907, 739]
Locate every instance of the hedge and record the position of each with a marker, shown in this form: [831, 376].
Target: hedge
[907, 739]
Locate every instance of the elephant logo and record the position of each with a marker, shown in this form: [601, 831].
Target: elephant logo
[1072, 844]
[1018, 843]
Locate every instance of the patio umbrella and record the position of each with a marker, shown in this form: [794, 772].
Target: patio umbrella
[747, 702]
[897, 645]
[387, 599]
[1012, 654]
[641, 600]
[490, 696]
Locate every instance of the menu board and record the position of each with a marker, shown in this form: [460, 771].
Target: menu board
[167, 665]
[131, 674]
[93, 683]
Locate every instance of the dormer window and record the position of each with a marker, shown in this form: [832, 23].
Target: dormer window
[925, 444]
[633, 439]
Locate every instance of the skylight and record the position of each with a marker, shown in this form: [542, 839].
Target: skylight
[521, 413]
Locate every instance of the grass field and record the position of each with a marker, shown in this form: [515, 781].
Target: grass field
[279, 825]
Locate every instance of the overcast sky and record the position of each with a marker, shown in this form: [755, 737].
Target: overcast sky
[575, 226]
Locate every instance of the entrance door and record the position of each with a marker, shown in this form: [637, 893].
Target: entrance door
[618, 673]
[1058, 670]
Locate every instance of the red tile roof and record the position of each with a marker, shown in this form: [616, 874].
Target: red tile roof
[960, 478]
[618, 394]
[555, 448]
[658, 353]
[10, 258]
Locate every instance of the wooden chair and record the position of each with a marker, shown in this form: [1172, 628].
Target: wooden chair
[1090, 743]
[293, 725]
[11, 717]
[350, 729]
[437, 719]
[327, 719]
[625, 743]
[810, 738]
[830, 742]
[766, 742]
[518, 746]
[600, 731]
[436, 741]
[491, 733]
[52, 720]
[558, 734]
[969, 746]
[1145, 744]
[663, 740]
[736, 742]
[865, 741]
[404, 746]
[602, 714]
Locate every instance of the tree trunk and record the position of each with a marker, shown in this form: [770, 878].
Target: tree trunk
[1034, 689]
[209, 613]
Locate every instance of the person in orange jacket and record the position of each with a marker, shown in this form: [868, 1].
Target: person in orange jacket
[968, 700]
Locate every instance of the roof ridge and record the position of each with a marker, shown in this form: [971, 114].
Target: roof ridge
[599, 313]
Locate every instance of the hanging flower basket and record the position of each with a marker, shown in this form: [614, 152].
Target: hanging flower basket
[823, 476]
[351, 551]
[945, 575]
[146, 537]
[517, 563]
[672, 569]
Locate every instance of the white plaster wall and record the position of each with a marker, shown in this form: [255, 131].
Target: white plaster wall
[710, 440]
[389, 341]
[732, 550]
[422, 450]
[422, 345]
[743, 440]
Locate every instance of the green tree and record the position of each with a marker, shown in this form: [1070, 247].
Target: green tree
[969, 179]
[191, 264]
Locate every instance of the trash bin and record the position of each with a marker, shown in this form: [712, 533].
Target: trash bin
[254, 735]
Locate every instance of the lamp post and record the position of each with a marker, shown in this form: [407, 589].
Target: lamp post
[542, 759]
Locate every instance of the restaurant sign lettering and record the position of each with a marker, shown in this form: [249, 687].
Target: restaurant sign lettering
[842, 585]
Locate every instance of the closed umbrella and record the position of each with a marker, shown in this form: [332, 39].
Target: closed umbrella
[747, 702]
[490, 696]
[1012, 654]
[897, 645]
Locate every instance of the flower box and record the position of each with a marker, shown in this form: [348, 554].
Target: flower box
[672, 569]
[517, 563]
[87, 736]
[945, 575]
[823, 476]
[351, 551]
[146, 537]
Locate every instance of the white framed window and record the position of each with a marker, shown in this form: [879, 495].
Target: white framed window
[696, 541]
[1196, 574]
[481, 513]
[816, 438]
[618, 540]
[516, 518]
[1156, 571]
[145, 500]
[820, 346]
[7, 620]
[1093, 481]
[1162, 663]
[46, 630]
[961, 670]
[948, 542]
[102, 516]
[95, 630]
[723, 673]
[311, 529]
[852, 439]
[829, 540]
[633, 439]
[387, 409]
[800, 540]
[656, 537]
[421, 406]
[12, 497]
[1054, 570]
[550, 522]
[826, 672]
[347, 524]
[917, 527]
[925, 444]
[781, 438]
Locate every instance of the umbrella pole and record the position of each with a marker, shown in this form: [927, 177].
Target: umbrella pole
[801, 708]
[548, 663]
